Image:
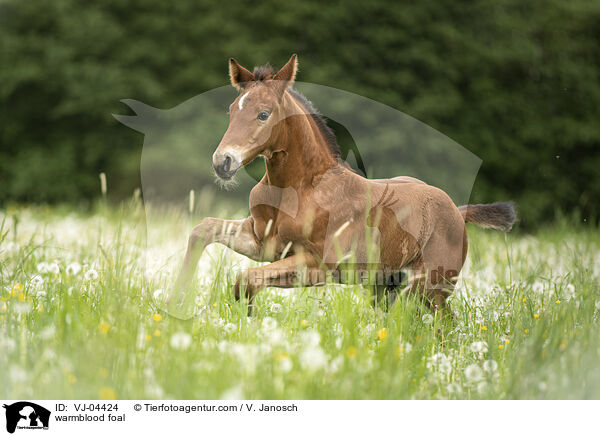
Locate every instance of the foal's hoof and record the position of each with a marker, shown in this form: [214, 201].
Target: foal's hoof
[178, 304]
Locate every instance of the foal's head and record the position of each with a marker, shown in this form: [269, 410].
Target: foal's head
[254, 116]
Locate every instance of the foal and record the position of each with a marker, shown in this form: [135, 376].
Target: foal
[312, 216]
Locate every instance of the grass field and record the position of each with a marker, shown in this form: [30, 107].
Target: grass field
[79, 318]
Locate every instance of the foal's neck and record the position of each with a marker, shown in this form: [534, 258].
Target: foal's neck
[305, 153]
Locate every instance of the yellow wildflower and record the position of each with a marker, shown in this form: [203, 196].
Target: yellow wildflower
[17, 288]
[282, 356]
[501, 347]
[303, 323]
[107, 394]
[148, 337]
[526, 330]
[351, 351]
[382, 334]
[157, 317]
[103, 327]
[484, 328]
[21, 297]
[524, 300]
[557, 301]
[156, 332]
[536, 315]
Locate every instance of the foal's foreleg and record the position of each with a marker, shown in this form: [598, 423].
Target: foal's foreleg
[235, 234]
[301, 269]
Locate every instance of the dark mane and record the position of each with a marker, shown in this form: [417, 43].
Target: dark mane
[326, 131]
[264, 72]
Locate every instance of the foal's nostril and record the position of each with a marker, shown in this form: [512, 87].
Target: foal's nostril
[227, 163]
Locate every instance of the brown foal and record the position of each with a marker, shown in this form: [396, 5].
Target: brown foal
[313, 217]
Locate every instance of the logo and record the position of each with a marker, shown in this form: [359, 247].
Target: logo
[26, 415]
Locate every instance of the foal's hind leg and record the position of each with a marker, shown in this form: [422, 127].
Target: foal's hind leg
[388, 292]
[439, 266]
[431, 286]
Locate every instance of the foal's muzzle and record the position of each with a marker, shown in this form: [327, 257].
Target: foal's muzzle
[225, 165]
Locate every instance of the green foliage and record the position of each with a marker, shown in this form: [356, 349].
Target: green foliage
[516, 83]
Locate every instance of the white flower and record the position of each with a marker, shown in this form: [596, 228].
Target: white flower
[336, 364]
[73, 268]
[276, 308]
[36, 282]
[53, 268]
[427, 318]
[479, 347]
[48, 332]
[440, 362]
[490, 366]
[42, 267]
[11, 247]
[91, 274]
[405, 346]
[269, 323]
[473, 373]
[158, 294]
[234, 393]
[275, 336]
[311, 338]
[285, 363]
[569, 292]
[313, 358]
[229, 327]
[181, 341]
[338, 342]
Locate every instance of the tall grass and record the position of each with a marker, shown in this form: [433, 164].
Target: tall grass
[79, 318]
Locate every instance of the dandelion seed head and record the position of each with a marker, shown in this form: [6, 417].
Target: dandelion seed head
[479, 347]
[181, 340]
[276, 308]
[90, 275]
[490, 366]
[473, 373]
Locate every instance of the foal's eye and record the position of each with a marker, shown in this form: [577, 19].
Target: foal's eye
[263, 116]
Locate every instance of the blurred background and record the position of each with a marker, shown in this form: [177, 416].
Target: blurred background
[516, 83]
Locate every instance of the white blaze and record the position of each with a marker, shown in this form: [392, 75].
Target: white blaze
[241, 101]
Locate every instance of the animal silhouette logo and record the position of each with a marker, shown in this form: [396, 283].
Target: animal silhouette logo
[26, 415]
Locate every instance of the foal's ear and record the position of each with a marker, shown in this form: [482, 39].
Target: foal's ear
[239, 75]
[287, 74]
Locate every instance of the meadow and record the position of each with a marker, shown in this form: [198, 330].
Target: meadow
[80, 318]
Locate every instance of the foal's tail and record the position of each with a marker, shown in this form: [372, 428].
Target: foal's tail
[498, 216]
